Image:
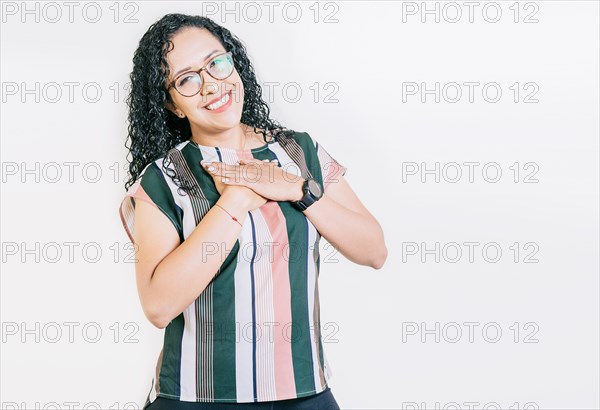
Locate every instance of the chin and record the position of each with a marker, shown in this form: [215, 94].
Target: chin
[224, 122]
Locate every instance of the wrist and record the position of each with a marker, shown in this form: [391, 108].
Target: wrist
[298, 190]
[311, 193]
[235, 202]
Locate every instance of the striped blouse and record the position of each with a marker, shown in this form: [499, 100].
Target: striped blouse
[254, 333]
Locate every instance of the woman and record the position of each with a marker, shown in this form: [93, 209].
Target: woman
[227, 254]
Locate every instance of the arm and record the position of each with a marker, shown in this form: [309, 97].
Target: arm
[170, 275]
[350, 228]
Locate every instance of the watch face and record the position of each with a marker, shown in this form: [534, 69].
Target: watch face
[314, 187]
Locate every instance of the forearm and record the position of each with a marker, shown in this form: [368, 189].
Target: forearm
[358, 237]
[184, 274]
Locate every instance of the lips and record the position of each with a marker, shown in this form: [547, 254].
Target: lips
[217, 99]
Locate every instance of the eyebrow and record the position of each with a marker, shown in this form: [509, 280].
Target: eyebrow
[183, 70]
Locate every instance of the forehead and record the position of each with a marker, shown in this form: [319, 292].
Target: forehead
[190, 46]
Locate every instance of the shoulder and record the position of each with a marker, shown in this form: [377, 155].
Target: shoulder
[302, 138]
[152, 174]
[157, 171]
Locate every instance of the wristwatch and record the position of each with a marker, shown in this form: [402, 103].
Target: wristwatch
[312, 193]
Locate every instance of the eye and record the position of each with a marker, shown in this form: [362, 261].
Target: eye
[185, 79]
[220, 62]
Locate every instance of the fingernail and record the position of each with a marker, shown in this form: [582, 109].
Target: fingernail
[211, 168]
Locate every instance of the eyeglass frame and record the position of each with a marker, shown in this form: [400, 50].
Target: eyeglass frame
[199, 72]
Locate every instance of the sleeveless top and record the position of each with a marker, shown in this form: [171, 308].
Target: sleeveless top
[254, 333]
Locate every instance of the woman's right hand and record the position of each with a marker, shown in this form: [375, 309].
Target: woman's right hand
[249, 199]
[245, 195]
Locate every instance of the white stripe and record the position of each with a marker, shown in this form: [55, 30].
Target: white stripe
[265, 311]
[152, 395]
[286, 162]
[208, 154]
[188, 355]
[312, 278]
[326, 368]
[243, 316]
[229, 156]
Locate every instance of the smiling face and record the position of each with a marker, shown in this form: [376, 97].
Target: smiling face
[192, 49]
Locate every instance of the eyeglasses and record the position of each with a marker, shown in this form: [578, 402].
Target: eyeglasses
[190, 83]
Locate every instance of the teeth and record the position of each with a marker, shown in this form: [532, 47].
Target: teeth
[219, 103]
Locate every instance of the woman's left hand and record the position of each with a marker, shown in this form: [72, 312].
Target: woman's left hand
[263, 177]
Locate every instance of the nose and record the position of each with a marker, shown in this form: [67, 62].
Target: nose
[208, 85]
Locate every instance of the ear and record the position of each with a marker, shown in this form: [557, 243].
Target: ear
[171, 107]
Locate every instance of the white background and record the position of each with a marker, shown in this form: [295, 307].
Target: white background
[371, 53]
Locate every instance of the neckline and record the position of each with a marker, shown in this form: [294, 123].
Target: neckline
[246, 150]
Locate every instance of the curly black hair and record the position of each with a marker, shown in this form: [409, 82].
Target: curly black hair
[153, 129]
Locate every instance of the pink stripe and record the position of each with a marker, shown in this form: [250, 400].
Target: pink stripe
[284, 369]
[127, 210]
[244, 155]
[140, 193]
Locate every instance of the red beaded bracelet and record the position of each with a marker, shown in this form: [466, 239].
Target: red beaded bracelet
[232, 217]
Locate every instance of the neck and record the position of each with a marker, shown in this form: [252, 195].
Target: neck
[232, 138]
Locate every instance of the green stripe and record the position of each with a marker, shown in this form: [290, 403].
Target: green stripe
[155, 185]
[193, 156]
[171, 359]
[297, 264]
[297, 227]
[224, 328]
[310, 154]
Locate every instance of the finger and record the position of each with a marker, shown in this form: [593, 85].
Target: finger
[220, 168]
[258, 161]
[250, 161]
[211, 168]
[232, 181]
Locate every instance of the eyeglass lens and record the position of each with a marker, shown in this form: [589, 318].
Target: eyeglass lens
[219, 68]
